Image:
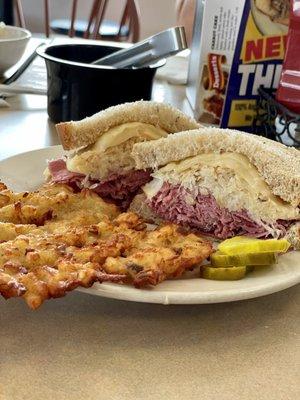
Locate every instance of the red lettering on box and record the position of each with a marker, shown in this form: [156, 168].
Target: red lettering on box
[273, 45]
[254, 49]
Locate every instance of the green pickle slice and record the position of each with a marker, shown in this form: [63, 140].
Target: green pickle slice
[239, 255]
[242, 244]
[218, 259]
[223, 274]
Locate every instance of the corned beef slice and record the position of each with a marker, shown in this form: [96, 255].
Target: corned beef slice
[118, 188]
[60, 174]
[173, 203]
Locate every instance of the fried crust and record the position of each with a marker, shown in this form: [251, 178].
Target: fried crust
[83, 241]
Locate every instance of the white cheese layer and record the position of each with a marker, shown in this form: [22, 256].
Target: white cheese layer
[82, 162]
[122, 133]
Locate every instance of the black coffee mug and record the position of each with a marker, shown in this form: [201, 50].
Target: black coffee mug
[77, 89]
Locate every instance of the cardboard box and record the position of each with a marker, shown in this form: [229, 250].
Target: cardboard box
[238, 45]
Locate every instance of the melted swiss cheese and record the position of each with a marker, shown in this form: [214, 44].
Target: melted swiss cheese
[114, 137]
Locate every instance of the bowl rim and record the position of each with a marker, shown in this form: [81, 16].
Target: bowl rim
[41, 51]
[15, 39]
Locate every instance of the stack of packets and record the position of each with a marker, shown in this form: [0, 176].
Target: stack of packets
[238, 46]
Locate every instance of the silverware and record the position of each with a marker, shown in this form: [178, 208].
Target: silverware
[148, 51]
[6, 89]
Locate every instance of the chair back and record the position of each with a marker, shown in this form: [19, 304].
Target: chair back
[130, 18]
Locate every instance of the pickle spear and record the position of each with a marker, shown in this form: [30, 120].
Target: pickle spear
[219, 259]
[223, 274]
[243, 244]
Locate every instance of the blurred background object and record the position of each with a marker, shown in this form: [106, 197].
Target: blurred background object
[154, 16]
[237, 47]
[77, 88]
[13, 42]
[278, 112]
[96, 26]
[158, 47]
[288, 92]
[275, 121]
[99, 28]
[6, 12]
[185, 11]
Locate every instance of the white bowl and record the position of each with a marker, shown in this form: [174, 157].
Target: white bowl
[13, 41]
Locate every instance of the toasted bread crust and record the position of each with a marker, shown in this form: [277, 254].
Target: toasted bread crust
[76, 134]
[278, 164]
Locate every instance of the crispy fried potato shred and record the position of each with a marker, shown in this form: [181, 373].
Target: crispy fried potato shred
[53, 241]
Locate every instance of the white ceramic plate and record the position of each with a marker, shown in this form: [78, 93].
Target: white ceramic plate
[25, 172]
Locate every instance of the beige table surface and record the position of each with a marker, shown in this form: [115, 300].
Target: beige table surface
[85, 347]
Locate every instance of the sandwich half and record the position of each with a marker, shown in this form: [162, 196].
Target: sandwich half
[223, 183]
[100, 148]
